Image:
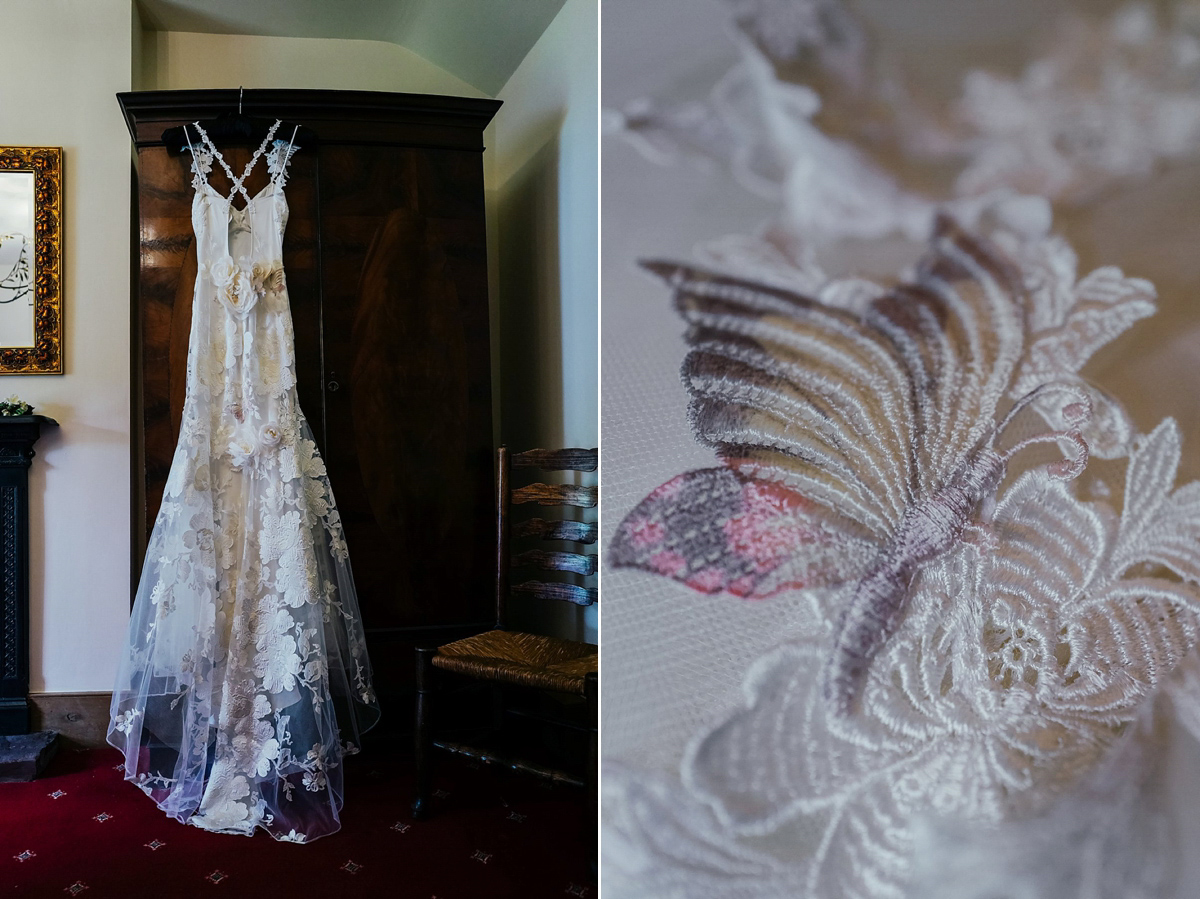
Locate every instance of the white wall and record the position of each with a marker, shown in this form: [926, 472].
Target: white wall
[175, 60]
[543, 232]
[65, 60]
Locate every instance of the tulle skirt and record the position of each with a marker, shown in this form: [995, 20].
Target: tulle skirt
[246, 678]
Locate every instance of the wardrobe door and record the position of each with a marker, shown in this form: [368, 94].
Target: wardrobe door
[166, 269]
[407, 428]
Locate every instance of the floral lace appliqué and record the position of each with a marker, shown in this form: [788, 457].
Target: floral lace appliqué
[970, 658]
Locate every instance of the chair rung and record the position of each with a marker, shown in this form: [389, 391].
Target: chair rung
[581, 596]
[571, 459]
[571, 531]
[556, 561]
[491, 758]
[556, 495]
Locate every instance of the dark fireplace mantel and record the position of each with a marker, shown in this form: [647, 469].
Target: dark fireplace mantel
[18, 434]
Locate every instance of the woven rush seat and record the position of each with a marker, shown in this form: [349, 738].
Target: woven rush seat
[530, 660]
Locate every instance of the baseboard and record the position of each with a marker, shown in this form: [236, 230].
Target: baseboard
[81, 719]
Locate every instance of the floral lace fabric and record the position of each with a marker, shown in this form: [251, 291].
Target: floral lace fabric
[246, 679]
[984, 580]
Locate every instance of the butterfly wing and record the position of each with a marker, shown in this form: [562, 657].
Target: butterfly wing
[960, 327]
[717, 530]
[790, 393]
[790, 390]
[846, 421]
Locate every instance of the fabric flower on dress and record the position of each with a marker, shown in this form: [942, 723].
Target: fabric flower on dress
[1113, 99]
[279, 535]
[235, 289]
[269, 435]
[202, 161]
[267, 277]
[238, 296]
[201, 478]
[254, 745]
[278, 157]
[242, 448]
[296, 576]
[315, 765]
[223, 271]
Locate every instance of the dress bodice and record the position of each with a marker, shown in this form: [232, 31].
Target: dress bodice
[231, 239]
[239, 250]
[241, 349]
[253, 231]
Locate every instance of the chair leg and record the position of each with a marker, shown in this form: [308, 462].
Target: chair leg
[424, 731]
[591, 831]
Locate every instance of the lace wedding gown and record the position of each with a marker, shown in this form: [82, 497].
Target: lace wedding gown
[246, 678]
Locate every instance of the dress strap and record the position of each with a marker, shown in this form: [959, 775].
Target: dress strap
[239, 183]
[201, 159]
[212, 148]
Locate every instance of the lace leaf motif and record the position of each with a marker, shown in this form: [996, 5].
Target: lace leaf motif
[278, 157]
[1105, 305]
[667, 844]
[202, 161]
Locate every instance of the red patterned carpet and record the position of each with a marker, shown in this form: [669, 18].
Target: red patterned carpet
[80, 830]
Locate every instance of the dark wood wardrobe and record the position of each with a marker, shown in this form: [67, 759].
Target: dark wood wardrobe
[386, 267]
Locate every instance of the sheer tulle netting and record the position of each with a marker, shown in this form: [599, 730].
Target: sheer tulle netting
[780, 717]
[246, 678]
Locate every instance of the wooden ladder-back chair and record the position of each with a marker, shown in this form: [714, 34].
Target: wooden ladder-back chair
[502, 656]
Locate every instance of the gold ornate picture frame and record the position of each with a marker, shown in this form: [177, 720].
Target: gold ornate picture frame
[31, 215]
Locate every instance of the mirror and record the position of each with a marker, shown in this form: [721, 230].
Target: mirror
[30, 260]
[16, 259]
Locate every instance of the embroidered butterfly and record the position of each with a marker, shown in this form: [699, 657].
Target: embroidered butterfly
[859, 446]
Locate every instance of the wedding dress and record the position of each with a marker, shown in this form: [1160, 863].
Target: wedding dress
[246, 678]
